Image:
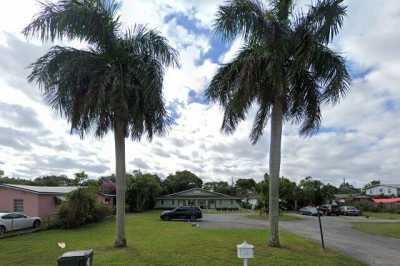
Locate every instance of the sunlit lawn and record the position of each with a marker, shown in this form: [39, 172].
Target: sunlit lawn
[382, 229]
[153, 242]
[382, 215]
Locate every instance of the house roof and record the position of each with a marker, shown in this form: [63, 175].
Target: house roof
[391, 200]
[40, 189]
[197, 193]
[386, 185]
[106, 195]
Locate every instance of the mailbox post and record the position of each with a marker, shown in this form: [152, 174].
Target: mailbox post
[245, 251]
[76, 258]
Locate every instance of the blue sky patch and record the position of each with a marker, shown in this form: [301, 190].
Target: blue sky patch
[219, 47]
[335, 130]
[358, 72]
[172, 110]
[391, 105]
[195, 97]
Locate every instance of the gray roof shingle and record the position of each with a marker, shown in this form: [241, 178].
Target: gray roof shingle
[40, 189]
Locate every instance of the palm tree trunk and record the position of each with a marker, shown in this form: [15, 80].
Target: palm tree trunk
[274, 167]
[119, 135]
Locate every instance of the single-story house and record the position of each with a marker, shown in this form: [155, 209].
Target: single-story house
[106, 198]
[198, 197]
[391, 190]
[352, 199]
[388, 203]
[32, 200]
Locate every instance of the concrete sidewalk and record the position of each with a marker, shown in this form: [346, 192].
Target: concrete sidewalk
[371, 249]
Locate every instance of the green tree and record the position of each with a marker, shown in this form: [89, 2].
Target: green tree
[311, 191]
[181, 180]
[53, 181]
[328, 191]
[245, 187]
[220, 187]
[81, 208]
[287, 194]
[285, 67]
[115, 84]
[1, 173]
[346, 188]
[80, 178]
[262, 190]
[142, 191]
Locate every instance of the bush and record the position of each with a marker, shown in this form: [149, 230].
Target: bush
[373, 207]
[101, 211]
[81, 208]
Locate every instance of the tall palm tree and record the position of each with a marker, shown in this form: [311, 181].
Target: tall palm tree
[113, 85]
[285, 67]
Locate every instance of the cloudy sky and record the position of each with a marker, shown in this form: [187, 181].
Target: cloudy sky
[359, 139]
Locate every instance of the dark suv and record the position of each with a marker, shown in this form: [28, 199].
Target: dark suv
[330, 209]
[186, 213]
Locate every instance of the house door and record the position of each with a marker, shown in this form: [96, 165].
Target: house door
[211, 204]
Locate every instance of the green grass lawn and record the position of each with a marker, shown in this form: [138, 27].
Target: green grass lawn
[382, 215]
[382, 229]
[153, 242]
[282, 217]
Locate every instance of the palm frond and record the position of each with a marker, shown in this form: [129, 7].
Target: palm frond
[141, 40]
[75, 83]
[146, 107]
[239, 83]
[304, 101]
[285, 59]
[330, 68]
[94, 21]
[260, 121]
[282, 9]
[242, 17]
[324, 19]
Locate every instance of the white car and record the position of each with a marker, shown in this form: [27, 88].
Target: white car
[17, 221]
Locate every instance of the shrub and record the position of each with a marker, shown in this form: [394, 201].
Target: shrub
[81, 208]
[373, 207]
[101, 211]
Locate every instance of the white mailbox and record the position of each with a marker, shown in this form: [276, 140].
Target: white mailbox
[245, 251]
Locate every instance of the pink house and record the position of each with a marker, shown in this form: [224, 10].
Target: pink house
[32, 200]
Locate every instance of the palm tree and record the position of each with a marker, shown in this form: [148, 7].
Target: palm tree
[115, 84]
[285, 68]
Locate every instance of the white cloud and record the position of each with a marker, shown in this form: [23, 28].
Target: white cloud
[361, 142]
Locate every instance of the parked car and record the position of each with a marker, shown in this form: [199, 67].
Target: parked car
[309, 210]
[17, 221]
[330, 209]
[350, 211]
[187, 213]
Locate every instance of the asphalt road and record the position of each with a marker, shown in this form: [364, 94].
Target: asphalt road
[338, 234]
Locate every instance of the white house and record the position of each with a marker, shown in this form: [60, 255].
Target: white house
[382, 189]
[198, 197]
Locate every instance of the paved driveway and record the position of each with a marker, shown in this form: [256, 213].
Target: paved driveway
[373, 250]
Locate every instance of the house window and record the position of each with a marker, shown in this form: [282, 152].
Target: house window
[381, 190]
[18, 205]
[173, 202]
[162, 202]
[389, 191]
[231, 202]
